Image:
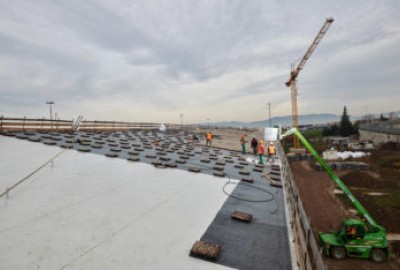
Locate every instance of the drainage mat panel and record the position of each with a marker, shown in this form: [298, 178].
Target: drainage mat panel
[242, 216]
[205, 250]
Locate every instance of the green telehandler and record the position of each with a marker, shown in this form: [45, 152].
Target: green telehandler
[354, 237]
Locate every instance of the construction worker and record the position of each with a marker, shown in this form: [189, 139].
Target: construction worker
[351, 232]
[260, 151]
[209, 137]
[243, 143]
[254, 144]
[271, 150]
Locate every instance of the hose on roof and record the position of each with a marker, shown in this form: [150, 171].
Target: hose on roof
[6, 192]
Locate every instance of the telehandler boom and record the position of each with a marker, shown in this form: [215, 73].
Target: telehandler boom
[354, 237]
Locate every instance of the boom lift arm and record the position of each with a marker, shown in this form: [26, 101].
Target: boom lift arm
[336, 179]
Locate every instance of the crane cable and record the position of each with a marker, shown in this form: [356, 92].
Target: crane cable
[6, 192]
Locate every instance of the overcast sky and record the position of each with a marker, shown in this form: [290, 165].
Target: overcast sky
[220, 60]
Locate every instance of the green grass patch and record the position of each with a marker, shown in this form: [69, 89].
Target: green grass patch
[386, 162]
[389, 201]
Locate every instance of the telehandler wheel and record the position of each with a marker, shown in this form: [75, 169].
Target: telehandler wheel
[338, 253]
[378, 255]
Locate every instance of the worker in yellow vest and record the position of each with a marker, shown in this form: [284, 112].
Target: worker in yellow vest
[271, 150]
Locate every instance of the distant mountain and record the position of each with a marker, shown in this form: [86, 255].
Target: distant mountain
[306, 119]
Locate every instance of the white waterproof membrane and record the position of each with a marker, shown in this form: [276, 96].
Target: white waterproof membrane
[88, 211]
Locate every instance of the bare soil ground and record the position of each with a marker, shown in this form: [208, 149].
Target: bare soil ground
[325, 209]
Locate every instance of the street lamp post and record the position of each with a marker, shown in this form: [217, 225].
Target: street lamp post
[269, 110]
[50, 103]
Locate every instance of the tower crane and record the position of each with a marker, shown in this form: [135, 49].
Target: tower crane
[292, 82]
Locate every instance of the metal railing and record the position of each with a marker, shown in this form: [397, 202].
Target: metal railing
[32, 124]
[308, 252]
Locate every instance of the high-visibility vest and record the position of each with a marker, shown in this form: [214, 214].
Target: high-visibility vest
[209, 136]
[271, 150]
[260, 149]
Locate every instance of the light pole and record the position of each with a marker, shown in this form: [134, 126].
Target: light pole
[269, 110]
[51, 111]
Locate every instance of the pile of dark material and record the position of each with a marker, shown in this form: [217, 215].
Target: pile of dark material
[205, 250]
[353, 166]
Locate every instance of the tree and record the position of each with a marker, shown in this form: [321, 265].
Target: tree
[346, 127]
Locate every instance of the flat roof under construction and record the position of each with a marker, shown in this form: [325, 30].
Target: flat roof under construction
[89, 211]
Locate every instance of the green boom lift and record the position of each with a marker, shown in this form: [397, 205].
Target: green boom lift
[354, 237]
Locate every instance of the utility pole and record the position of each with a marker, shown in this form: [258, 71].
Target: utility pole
[51, 111]
[269, 112]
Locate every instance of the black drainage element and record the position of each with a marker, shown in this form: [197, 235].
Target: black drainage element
[97, 146]
[194, 169]
[34, 139]
[184, 157]
[218, 168]
[242, 216]
[171, 165]
[165, 158]
[205, 160]
[275, 168]
[133, 153]
[133, 159]
[238, 166]
[248, 179]
[111, 154]
[115, 150]
[66, 145]
[257, 170]
[244, 172]
[219, 173]
[220, 163]
[150, 156]
[84, 149]
[49, 142]
[229, 161]
[157, 163]
[180, 161]
[205, 250]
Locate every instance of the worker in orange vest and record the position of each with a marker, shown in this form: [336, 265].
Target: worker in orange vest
[209, 137]
[260, 151]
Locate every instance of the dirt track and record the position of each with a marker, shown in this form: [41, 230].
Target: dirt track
[324, 209]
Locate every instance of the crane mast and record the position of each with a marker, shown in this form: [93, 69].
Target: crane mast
[292, 82]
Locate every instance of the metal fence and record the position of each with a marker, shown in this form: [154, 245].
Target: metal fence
[31, 124]
[308, 252]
